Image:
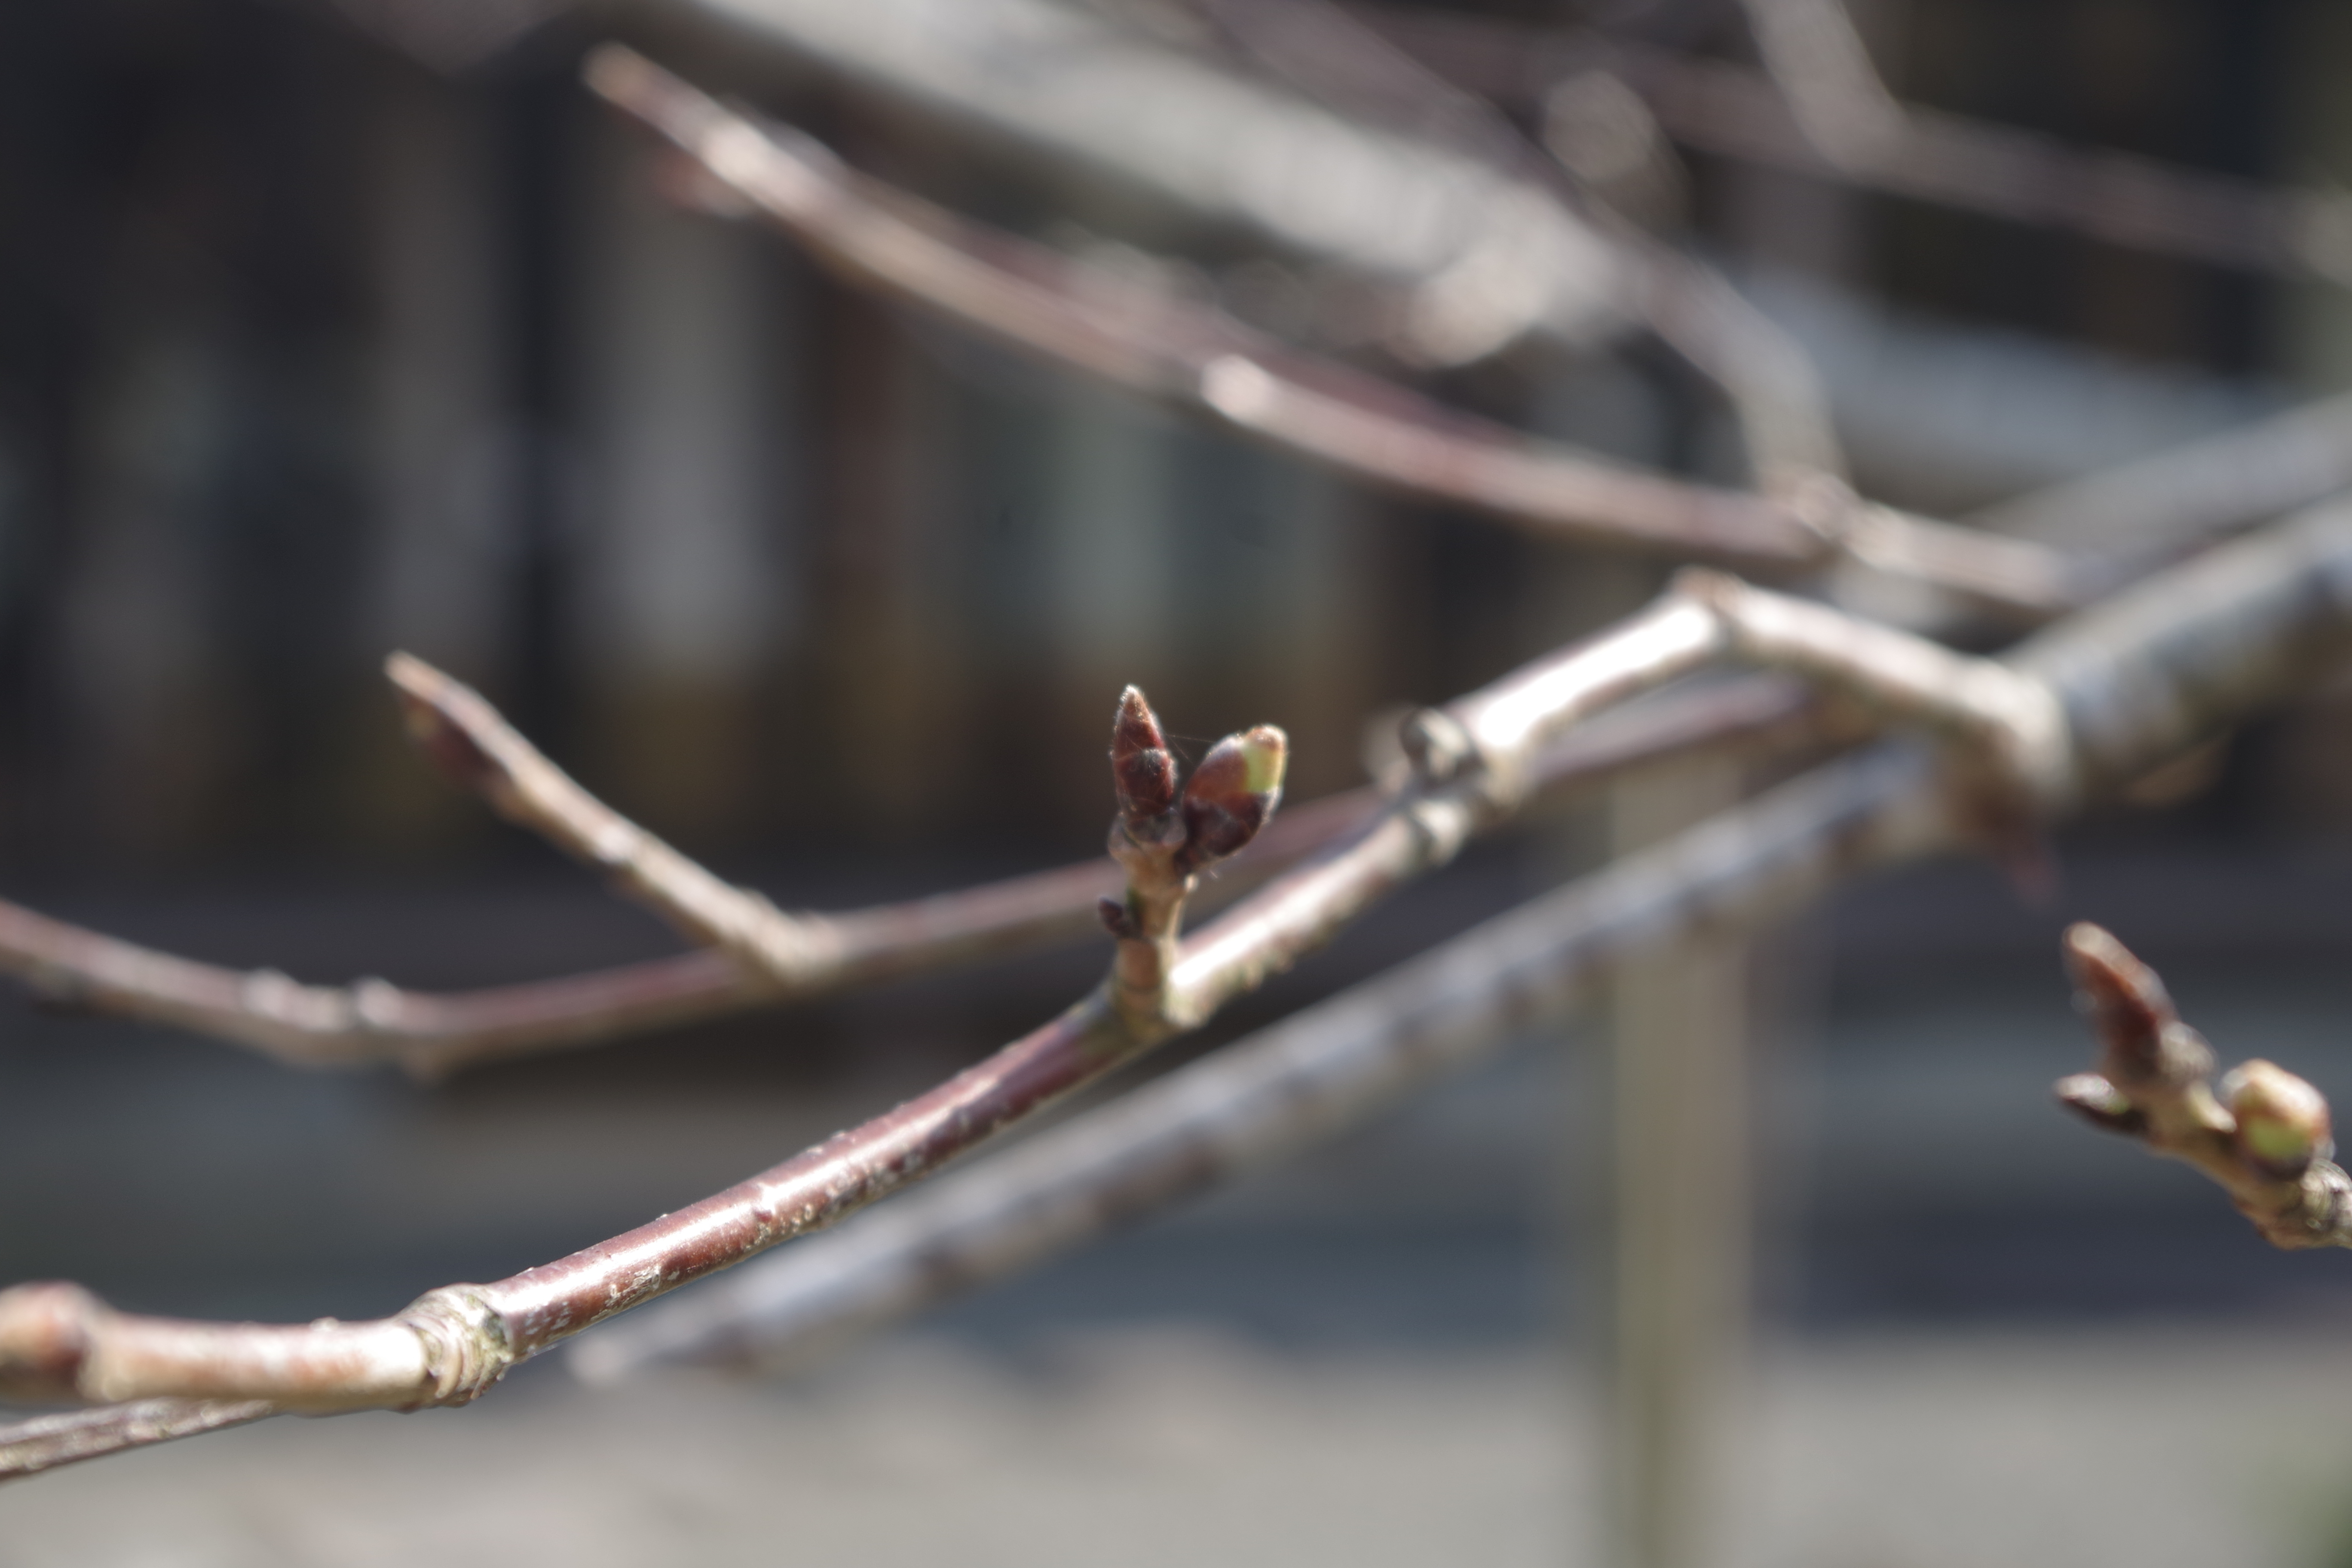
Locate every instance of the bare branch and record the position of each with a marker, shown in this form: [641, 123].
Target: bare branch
[1337, 1062]
[433, 1034]
[1191, 356]
[58, 1342]
[1323, 48]
[2247, 614]
[1277, 1091]
[2160, 505]
[1822, 68]
[482, 752]
[2262, 1134]
[45, 1442]
[1733, 111]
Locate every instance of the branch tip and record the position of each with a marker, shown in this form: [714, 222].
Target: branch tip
[432, 709]
[1142, 769]
[1232, 792]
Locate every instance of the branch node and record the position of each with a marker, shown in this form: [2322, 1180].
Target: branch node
[465, 1344]
[1436, 745]
[45, 1339]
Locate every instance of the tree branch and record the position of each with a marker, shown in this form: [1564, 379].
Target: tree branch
[1929, 155]
[46, 1442]
[466, 736]
[2262, 1134]
[1193, 356]
[1472, 765]
[2251, 608]
[2196, 646]
[433, 1034]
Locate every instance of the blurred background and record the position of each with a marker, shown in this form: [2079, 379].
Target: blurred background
[336, 327]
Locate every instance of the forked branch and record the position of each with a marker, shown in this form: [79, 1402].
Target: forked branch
[2199, 646]
[432, 1034]
[1473, 764]
[2195, 648]
[1190, 355]
[2261, 1133]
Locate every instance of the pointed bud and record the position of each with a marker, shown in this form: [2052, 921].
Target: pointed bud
[433, 707]
[1232, 794]
[1141, 767]
[2101, 1104]
[2144, 1037]
[2283, 1122]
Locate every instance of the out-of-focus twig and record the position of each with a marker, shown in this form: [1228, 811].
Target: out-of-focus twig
[2186, 496]
[433, 1034]
[2261, 1133]
[466, 736]
[1734, 112]
[1322, 49]
[1178, 352]
[1822, 68]
[2205, 642]
[45, 1442]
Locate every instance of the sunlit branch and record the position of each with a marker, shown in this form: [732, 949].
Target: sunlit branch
[1335, 1063]
[2235, 631]
[2197, 646]
[1154, 344]
[1473, 764]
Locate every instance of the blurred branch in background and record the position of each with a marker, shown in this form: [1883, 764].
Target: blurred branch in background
[1153, 341]
[1793, 119]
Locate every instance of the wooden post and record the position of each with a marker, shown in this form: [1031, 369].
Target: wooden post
[1680, 1208]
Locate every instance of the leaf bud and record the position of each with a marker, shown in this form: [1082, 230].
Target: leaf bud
[2282, 1121]
[1232, 794]
[1142, 769]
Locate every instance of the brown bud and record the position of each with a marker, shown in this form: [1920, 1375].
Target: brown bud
[1232, 794]
[2101, 1104]
[2282, 1121]
[1116, 917]
[2128, 1005]
[1141, 767]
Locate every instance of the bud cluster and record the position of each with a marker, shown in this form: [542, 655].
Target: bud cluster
[1229, 798]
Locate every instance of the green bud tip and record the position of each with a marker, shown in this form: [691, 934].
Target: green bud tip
[2282, 1121]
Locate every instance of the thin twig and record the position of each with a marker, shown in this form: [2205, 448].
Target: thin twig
[466, 736]
[1736, 113]
[46, 1442]
[1322, 49]
[434, 1034]
[1191, 356]
[2262, 1134]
